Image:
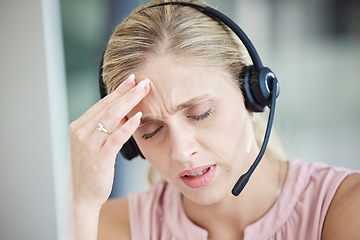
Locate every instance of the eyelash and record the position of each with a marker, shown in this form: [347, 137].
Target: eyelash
[202, 116]
[150, 135]
[196, 118]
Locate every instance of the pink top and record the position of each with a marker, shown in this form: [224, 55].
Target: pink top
[298, 213]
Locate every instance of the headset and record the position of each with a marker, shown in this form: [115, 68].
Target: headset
[260, 88]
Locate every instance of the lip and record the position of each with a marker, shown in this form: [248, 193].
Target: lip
[198, 181]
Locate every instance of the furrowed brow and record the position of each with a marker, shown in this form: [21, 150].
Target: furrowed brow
[145, 120]
[189, 103]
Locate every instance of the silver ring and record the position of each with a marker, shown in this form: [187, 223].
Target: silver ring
[101, 128]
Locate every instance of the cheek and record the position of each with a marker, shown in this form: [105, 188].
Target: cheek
[233, 135]
[154, 154]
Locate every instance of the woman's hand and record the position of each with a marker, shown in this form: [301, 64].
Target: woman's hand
[93, 152]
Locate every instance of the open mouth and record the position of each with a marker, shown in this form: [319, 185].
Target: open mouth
[198, 177]
[198, 174]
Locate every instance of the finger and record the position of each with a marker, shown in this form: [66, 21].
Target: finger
[113, 115]
[116, 140]
[122, 89]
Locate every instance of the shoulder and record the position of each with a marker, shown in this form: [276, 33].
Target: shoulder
[343, 217]
[114, 220]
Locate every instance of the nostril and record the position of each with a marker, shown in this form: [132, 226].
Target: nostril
[183, 155]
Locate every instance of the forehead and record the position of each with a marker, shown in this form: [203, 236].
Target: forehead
[175, 81]
[168, 72]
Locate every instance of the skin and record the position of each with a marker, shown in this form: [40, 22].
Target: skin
[343, 217]
[224, 139]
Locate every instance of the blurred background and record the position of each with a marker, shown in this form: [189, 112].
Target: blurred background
[50, 57]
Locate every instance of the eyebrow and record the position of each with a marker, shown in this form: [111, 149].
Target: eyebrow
[189, 103]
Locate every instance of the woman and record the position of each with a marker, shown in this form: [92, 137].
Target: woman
[172, 74]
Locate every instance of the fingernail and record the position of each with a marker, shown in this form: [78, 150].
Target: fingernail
[138, 115]
[136, 118]
[141, 85]
[131, 78]
[146, 82]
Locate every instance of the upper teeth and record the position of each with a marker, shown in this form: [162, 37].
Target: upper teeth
[199, 173]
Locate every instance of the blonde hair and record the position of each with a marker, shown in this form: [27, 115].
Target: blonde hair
[172, 30]
[169, 30]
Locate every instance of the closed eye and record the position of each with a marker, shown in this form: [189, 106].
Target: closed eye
[202, 116]
[150, 135]
[149, 130]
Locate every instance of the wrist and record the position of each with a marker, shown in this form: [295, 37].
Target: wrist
[85, 220]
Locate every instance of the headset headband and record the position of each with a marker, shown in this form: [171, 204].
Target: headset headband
[224, 19]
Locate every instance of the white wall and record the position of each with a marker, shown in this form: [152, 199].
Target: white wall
[33, 122]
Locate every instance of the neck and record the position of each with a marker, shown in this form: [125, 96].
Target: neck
[230, 216]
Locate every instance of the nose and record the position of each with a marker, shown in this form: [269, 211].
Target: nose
[183, 144]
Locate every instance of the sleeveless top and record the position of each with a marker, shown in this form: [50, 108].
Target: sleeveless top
[298, 213]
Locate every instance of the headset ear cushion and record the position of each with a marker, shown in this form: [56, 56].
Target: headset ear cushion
[131, 150]
[246, 76]
[261, 87]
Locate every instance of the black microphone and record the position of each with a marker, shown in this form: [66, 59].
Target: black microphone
[243, 180]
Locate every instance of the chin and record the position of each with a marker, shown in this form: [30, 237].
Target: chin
[208, 195]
